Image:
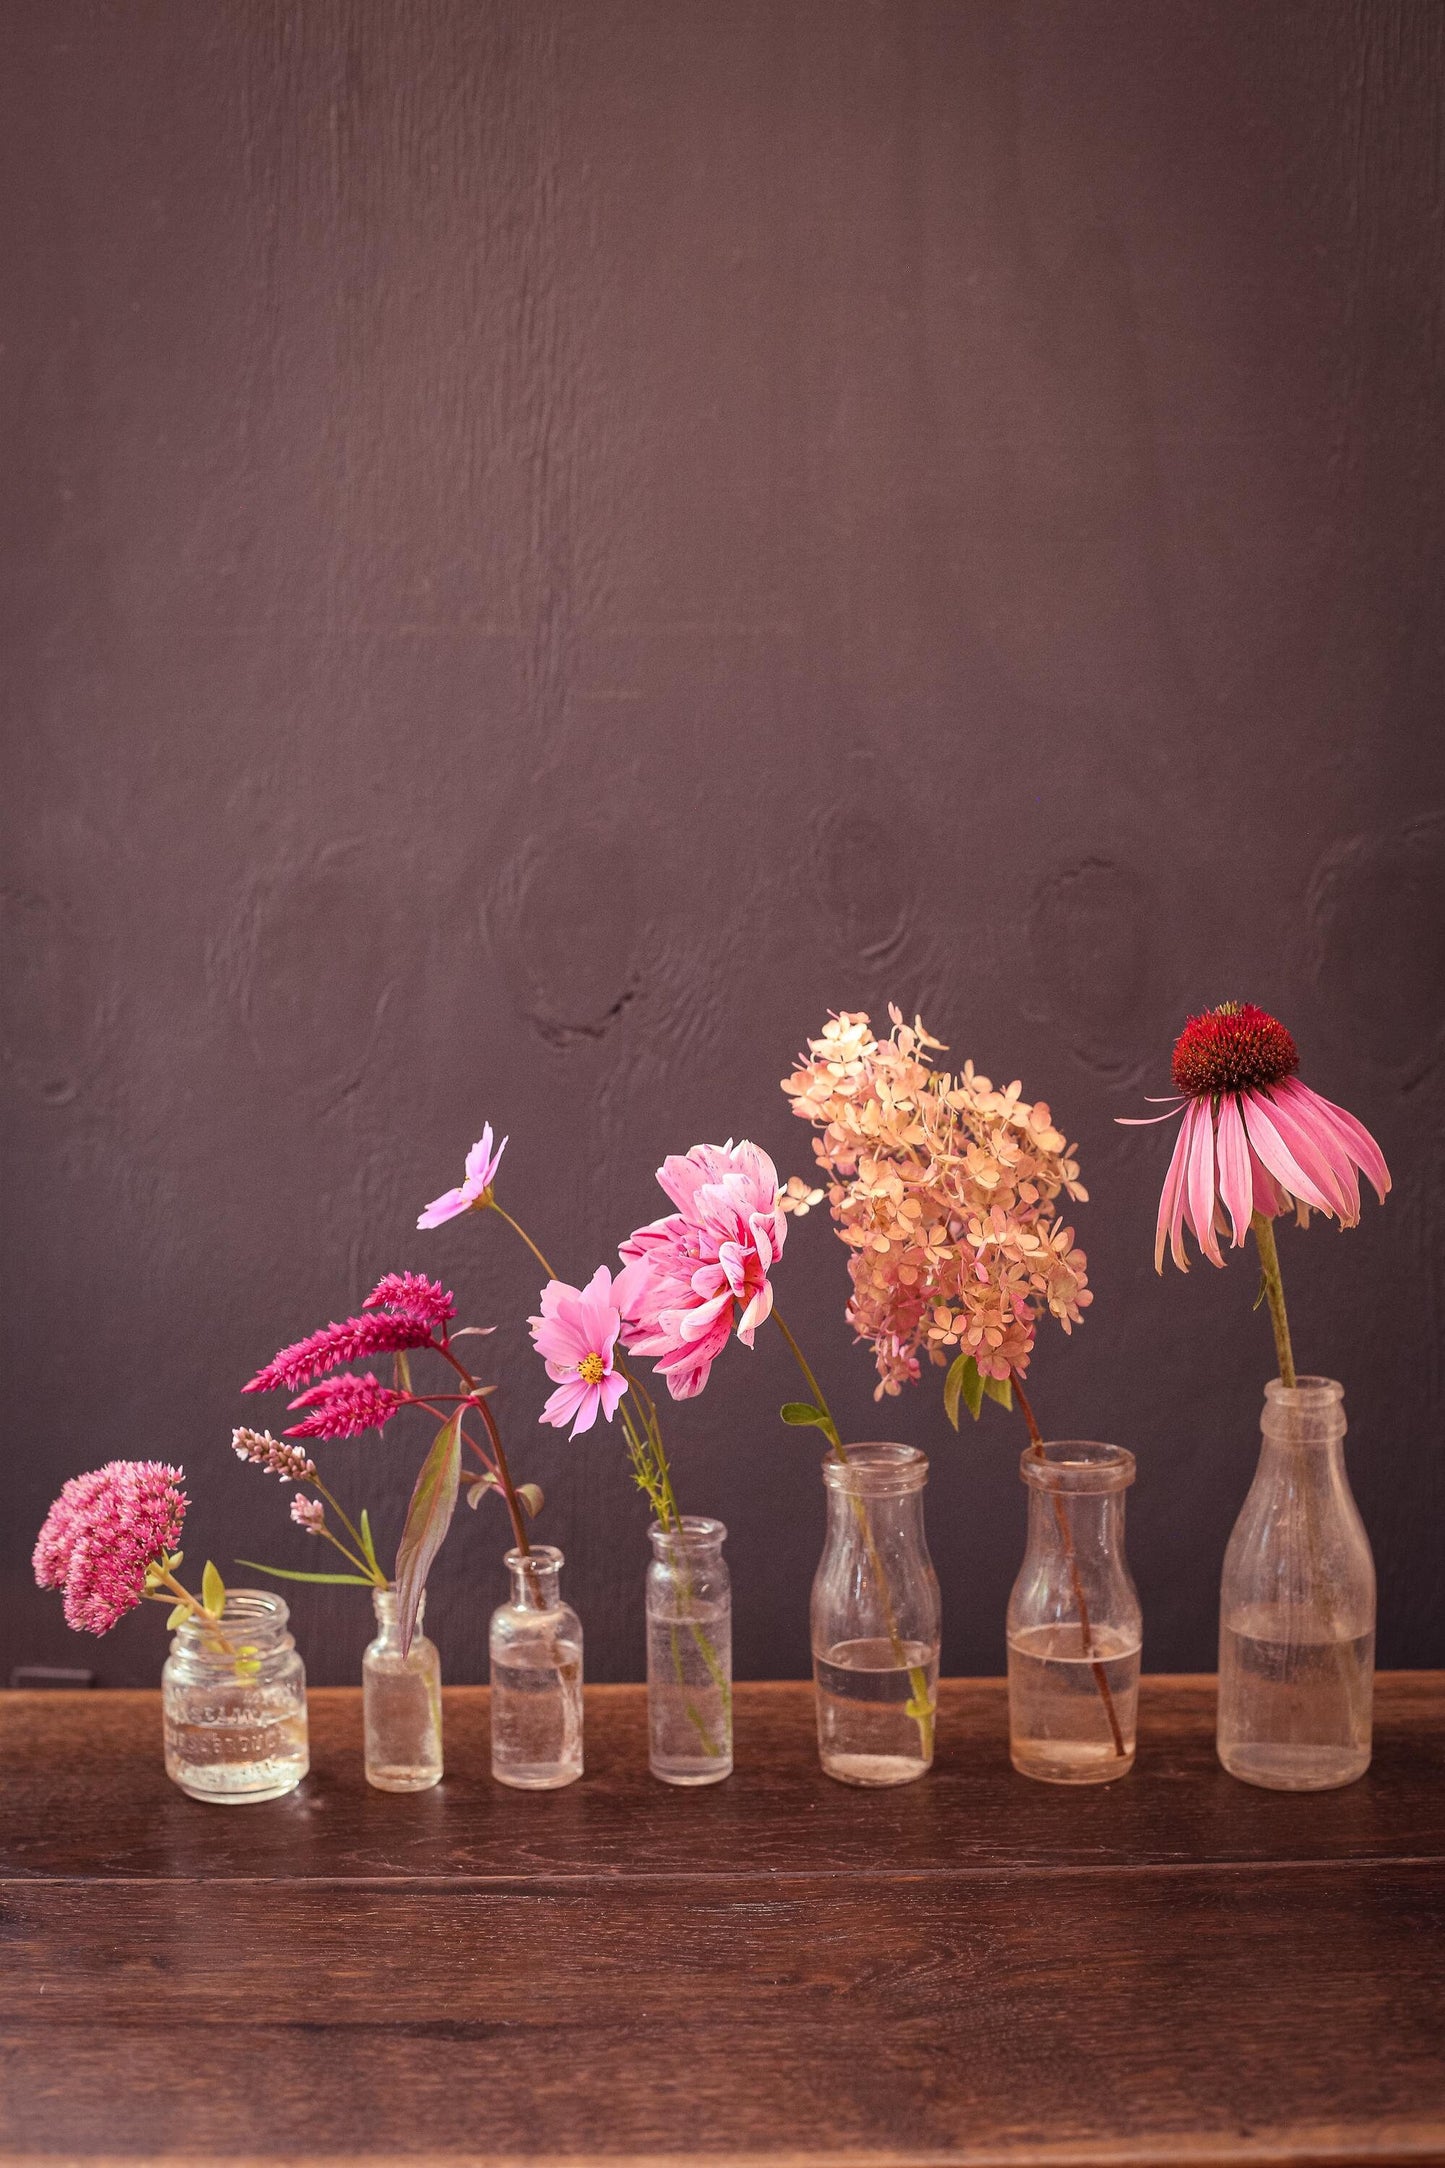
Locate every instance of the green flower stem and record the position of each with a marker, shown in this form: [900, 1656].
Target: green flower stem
[367, 1562]
[495, 1207]
[1274, 1295]
[198, 1611]
[922, 1706]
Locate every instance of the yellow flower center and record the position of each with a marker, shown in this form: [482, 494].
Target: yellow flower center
[592, 1370]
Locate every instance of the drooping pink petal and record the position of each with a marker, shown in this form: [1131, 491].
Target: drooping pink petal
[564, 1403]
[1276, 1155]
[449, 1205]
[1361, 1146]
[1315, 1147]
[1199, 1128]
[1168, 1197]
[1233, 1150]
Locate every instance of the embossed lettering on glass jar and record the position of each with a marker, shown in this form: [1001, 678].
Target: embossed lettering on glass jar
[1074, 1626]
[689, 1654]
[876, 1620]
[233, 1699]
[1297, 1606]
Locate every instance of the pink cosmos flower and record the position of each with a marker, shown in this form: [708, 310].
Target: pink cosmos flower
[482, 1164]
[100, 1535]
[576, 1335]
[1254, 1138]
[415, 1294]
[379, 1332]
[700, 1274]
[346, 1406]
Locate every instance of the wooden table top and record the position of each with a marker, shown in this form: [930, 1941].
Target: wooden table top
[975, 1968]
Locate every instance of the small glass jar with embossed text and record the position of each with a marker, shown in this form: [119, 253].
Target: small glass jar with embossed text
[233, 1702]
[536, 1669]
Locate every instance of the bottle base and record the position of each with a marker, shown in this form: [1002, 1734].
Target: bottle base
[1090, 1767]
[536, 1780]
[403, 1780]
[873, 1772]
[691, 1780]
[1292, 1768]
[237, 1799]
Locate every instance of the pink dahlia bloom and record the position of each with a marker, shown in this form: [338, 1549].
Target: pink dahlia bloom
[379, 1332]
[481, 1167]
[576, 1336]
[692, 1279]
[346, 1406]
[1254, 1138]
[100, 1535]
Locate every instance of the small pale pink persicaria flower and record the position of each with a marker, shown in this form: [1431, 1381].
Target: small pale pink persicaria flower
[481, 1167]
[691, 1280]
[1254, 1138]
[290, 1462]
[576, 1336]
[309, 1513]
[102, 1533]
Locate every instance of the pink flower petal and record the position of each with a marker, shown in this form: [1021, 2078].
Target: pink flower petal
[1276, 1155]
[1317, 1149]
[445, 1207]
[1168, 1198]
[564, 1403]
[1361, 1145]
[1235, 1186]
[1199, 1128]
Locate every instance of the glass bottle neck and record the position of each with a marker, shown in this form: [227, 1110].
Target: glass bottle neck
[696, 1542]
[536, 1578]
[383, 1603]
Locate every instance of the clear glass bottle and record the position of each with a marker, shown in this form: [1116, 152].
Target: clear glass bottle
[401, 1703]
[536, 1654]
[689, 1654]
[875, 1620]
[233, 1703]
[1074, 1626]
[1297, 1606]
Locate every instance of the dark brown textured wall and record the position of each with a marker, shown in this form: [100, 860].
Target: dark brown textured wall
[544, 545]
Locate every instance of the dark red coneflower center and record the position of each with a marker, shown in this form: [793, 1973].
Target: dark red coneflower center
[1233, 1048]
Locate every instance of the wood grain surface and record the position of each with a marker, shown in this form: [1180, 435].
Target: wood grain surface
[971, 1969]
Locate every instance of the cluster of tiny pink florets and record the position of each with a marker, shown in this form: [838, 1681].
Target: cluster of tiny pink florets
[944, 1191]
[101, 1534]
[404, 1310]
[290, 1462]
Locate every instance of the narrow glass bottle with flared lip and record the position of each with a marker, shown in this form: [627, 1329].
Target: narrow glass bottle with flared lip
[536, 1668]
[401, 1703]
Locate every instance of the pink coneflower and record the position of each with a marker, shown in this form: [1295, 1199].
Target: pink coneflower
[1255, 1140]
[102, 1533]
[576, 1335]
[416, 1295]
[346, 1406]
[694, 1278]
[481, 1167]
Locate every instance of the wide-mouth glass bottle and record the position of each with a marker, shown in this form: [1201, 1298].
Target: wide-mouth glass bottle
[1074, 1626]
[875, 1619]
[233, 1700]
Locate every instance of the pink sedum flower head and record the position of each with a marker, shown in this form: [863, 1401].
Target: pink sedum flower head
[691, 1280]
[576, 1336]
[482, 1164]
[1254, 1138]
[101, 1534]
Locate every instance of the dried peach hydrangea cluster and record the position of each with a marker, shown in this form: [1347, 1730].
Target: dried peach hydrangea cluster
[944, 1191]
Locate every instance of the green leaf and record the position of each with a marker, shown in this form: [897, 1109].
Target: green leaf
[284, 1573]
[403, 1371]
[1001, 1390]
[178, 1617]
[531, 1497]
[803, 1411]
[428, 1518]
[213, 1590]
[366, 1543]
[962, 1383]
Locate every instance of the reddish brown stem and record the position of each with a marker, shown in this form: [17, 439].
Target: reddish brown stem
[1066, 1536]
[504, 1473]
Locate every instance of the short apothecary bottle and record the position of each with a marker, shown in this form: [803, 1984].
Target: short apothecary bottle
[401, 1703]
[536, 1654]
[876, 1619]
[233, 1701]
[1297, 1606]
[689, 1654]
[1074, 1627]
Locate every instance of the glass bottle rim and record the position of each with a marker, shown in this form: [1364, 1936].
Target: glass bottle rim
[1309, 1412]
[383, 1602]
[698, 1533]
[247, 1610]
[1082, 1465]
[877, 1471]
[542, 1558]
[1311, 1396]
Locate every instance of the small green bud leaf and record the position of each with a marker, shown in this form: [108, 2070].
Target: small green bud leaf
[403, 1371]
[531, 1497]
[213, 1590]
[963, 1383]
[802, 1411]
[178, 1617]
[1001, 1390]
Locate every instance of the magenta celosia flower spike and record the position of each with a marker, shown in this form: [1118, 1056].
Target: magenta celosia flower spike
[1254, 1138]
